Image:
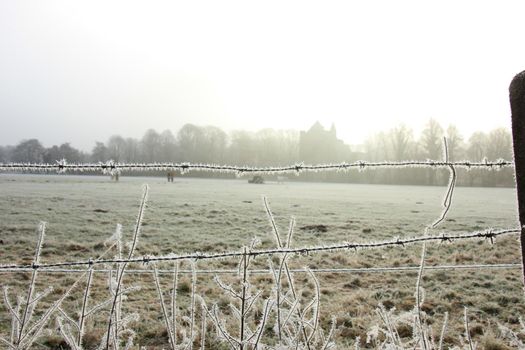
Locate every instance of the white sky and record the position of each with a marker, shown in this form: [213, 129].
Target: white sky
[82, 71]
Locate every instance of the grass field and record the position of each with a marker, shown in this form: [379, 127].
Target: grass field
[216, 215]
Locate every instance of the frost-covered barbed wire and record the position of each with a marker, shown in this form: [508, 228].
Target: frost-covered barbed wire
[113, 167]
[488, 234]
[510, 266]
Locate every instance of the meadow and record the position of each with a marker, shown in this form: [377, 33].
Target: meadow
[214, 215]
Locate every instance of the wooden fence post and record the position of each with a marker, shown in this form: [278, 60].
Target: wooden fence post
[517, 105]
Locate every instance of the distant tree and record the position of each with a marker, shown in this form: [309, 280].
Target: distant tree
[132, 150]
[99, 152]
[168, 146]
[403, 147]
[477, 151]
[455, 143]
[4, 154]
[52, 154]
[116, 148]
[64, 151]
[267, 147]
[432, 145]
[276, 147]
[70, 153]
[376, 148]
[243, 148]
[432, 140]
[30, 151]
[401, 140]
[477, 146]
[150, 145]
[215, 141]
[499, 144]
[289, 146]
[191, 140]
[499, 147]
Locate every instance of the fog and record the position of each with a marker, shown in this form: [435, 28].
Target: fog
[80, 72]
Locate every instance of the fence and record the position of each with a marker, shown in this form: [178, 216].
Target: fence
[297, 322]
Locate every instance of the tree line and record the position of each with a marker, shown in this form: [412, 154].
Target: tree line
[269, 147]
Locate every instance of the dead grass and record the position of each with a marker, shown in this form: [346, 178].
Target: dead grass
[215, 215]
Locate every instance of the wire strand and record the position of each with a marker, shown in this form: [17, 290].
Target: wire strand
[263, 271]
[443, 237]
[110, 166]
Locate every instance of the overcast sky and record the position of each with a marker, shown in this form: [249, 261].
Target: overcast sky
[78, 72]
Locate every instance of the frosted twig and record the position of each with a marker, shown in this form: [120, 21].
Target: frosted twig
[169, 327]
[36, 260]
[203, 325]
[272, 222]
[174, 301]
[68, 318]
[192, 311]
[227, 288]
[443, 330]
[222, 330]
[84, 307]
[419, 299]
[138, 225]
[467, 331]
[252, 299]
[327, 344]
[13, 313]
[317, 307]
[267, 308]
[243, 299]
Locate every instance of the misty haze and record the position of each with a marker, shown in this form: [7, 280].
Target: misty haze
[269, 147]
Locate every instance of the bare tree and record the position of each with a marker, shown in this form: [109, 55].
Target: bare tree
[215, 142]
[431, 143]
[455, 143]
[401, 138]
[30, 151]
[168, 146]
[243, 149]
[116, 146]
[191, 140]
[132, 150]
[99, 152]
[150, 145]
[499, 144]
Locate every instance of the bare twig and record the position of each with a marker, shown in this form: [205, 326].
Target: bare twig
[243, 299]
[467, 331]
[120, 275]
[36, 260]
[419, 299]
[169, 327]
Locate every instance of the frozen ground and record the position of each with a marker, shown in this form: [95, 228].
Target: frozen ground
[215, 215]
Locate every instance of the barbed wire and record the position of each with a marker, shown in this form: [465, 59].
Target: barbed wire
[398, 242]
[263, 271]
[112, 167]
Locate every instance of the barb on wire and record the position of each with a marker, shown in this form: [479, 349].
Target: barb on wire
[111, 167]
[443, 237]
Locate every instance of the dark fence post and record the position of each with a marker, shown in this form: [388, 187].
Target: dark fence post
[517, 105]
